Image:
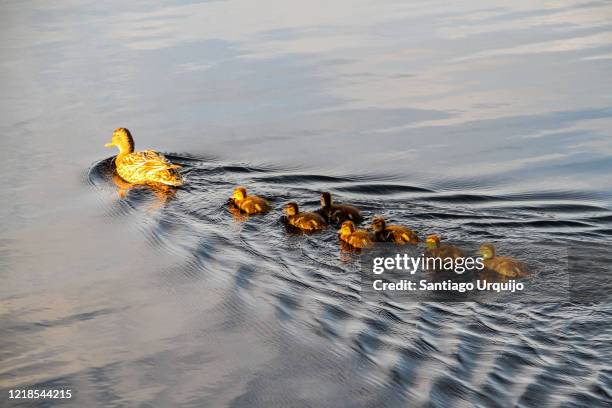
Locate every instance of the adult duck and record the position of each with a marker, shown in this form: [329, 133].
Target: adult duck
[146, 167]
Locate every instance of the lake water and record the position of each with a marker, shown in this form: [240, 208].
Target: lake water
[481, 121]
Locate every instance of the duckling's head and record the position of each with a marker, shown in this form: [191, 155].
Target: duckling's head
[378, 224]
[122, 138]
[291, 208]
[487, 251]
[239, 193]
[326, 200]
[347, 227]
[432, 241]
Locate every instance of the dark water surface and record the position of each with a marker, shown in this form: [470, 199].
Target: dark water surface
[482, 121]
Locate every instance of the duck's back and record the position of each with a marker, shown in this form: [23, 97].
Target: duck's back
[148, 167]
[451, 251]
[360, 239]
[254, 205]
[402, 235]
[444, 251]
[307, 221]
[343, 212]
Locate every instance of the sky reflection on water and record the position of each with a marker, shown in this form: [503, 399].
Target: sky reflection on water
[504, 107]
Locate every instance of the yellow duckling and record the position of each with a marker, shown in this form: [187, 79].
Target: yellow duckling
[249, 204]
[393, 233]
[503, 265]
[354, 237]
[306, 221]
[142, 167]
[437, 250]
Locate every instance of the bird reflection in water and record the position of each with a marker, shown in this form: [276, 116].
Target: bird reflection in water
[162, 193]
[492, 276]
[345, 247]
[237, 215]
[347, 253]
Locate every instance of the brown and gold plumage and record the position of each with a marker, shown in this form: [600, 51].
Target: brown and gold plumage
[147, 167]
[305, 221]
[337, 213]
[249, 204]
[503, 265]
[437, 250]
[354, 237]
[393, 233]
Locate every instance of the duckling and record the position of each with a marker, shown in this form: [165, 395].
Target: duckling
[337, 213]
[142, 167]
[503, 265]
[249, 204]
[354, 237]
[306, 221]
[393, 233]
[435, 250]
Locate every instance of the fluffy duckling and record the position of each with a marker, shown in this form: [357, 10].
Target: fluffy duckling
[337, 213]
[437, 250]
[142, 167]
[306, 221]
[503, 265]
[354, 237]
[249, 204]
[392, 233]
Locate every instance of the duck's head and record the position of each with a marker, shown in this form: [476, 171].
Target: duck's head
[346, 228]
[378, 224]
[432, 241]
[122, 139]
[291, 208]
[486, 251]
[326, 200]
[239, 193]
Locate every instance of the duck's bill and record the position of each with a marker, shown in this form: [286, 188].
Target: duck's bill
[111, 144]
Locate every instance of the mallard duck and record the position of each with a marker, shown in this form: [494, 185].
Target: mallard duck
[306, 221]
[337, 213]
[249, 204]
[354, 237]
[392, 233]
[437, 250]
[503, 265]
[147, 167]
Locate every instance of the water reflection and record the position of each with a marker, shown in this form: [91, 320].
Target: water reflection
[162, 192]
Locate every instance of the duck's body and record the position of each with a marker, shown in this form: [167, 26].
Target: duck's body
[354, 237]
[147, 167]
[503, 265]
[444, 251]
[393, 233]
[305, 221]
[337, 213]
[437, 250]
[249, 204]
